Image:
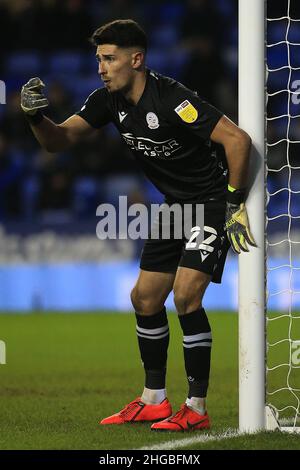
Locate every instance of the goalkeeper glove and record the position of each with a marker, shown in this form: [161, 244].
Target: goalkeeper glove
[236, 221]
[33, 99]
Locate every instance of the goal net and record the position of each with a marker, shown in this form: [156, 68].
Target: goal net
[283, 211]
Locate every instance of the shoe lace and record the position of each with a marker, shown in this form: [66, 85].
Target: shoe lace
[128, 410]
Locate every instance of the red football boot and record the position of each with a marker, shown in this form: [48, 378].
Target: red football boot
[137, 411]
[185, 419]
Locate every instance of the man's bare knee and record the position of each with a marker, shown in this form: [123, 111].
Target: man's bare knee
[150, 292]
[187, 302]
[145, 303]
[189, 289]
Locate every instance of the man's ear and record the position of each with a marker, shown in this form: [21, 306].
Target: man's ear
[137, 59]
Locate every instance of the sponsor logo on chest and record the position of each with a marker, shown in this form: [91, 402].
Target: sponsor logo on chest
[151, 148]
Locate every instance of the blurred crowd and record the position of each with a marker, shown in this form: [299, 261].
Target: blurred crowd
[193, 41]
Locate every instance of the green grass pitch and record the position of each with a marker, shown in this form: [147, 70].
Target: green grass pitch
[65, 372]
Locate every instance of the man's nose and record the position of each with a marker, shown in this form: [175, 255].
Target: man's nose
[101, 69]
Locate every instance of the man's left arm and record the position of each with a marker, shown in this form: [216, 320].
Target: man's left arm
[237, 145]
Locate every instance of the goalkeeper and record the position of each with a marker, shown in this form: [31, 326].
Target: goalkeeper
[179, 141]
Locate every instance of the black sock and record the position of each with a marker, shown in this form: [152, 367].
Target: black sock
[197, 348]
[153, 337]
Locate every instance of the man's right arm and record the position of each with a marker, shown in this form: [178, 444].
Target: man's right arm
[52, 137]
[59, 137]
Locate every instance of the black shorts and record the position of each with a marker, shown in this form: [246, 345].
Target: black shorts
[166, 255]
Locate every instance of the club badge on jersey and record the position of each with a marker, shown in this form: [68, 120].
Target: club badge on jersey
[152, 121]
[187, 112]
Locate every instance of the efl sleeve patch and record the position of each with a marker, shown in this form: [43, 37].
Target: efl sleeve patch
[187, 112]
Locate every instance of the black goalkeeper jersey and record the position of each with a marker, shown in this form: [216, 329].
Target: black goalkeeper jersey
[168, 131]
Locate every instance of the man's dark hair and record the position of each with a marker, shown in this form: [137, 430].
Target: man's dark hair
[122, 33]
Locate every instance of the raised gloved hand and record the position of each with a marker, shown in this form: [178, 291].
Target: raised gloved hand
[237, 223]
[32, 97]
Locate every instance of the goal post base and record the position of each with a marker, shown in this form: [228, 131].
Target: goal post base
[272, 423]
[290, 429]
[271, 419]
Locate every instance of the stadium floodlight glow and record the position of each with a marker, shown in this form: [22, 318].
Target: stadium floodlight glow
[263, 405]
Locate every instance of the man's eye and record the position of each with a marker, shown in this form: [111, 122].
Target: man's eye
[106, 59]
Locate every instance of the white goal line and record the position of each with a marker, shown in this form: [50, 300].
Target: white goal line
[199, 438]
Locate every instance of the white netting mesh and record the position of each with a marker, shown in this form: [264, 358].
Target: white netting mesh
[283, 219]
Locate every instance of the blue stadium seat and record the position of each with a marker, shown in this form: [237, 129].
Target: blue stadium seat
[276, 31]
[90, 64]
[82, 86]
[30, 189]
[119, 185]
[156, 60]
[171, 12]
[23, 63]
[176, 63]
[294, 32]
[227, 8]
[278, 80]
[85, 195]
[277, 56]
[164, 36]
[294, 206]
[294, 56]
[278, 206]
[295, 181]
[66, 62]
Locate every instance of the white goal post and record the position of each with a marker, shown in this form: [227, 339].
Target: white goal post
[258, 408]
[251, 265]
